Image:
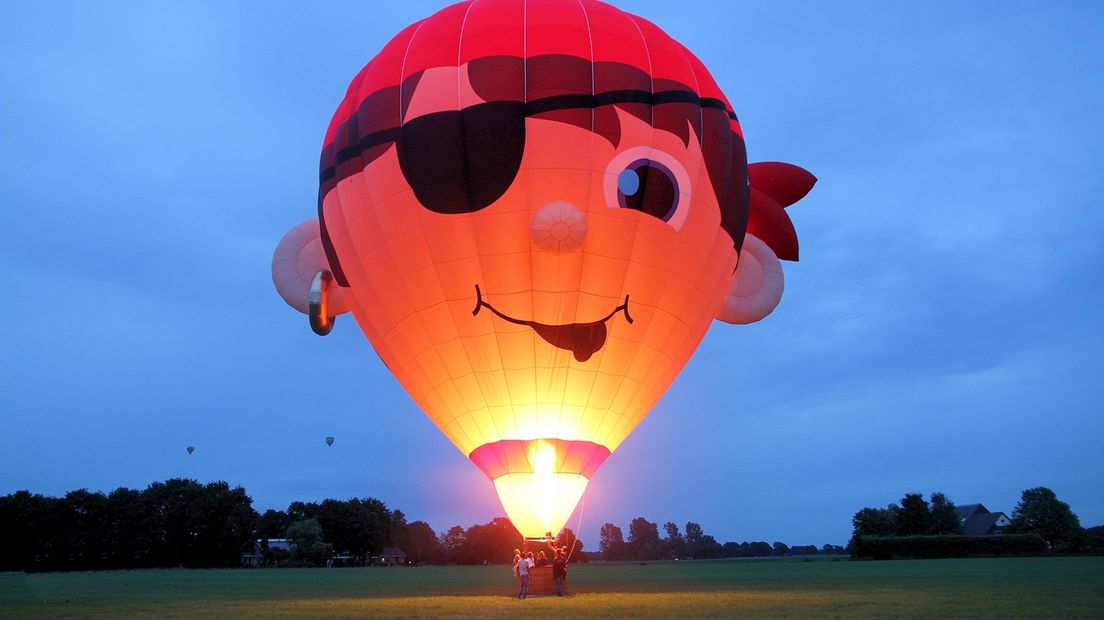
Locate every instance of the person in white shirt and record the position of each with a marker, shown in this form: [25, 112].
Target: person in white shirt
[521, 569]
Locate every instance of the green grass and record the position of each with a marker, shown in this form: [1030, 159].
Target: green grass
[999, 587]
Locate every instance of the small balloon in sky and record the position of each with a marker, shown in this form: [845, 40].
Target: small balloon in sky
[190, 449]
[329, 441]
[535, 212]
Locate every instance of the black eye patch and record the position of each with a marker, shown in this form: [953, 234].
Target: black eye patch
[460, 161]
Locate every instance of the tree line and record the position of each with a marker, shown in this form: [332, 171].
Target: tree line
[173, 523]
[489, 543]
[352, 531]
[644, 544]
[914, 516]
[355, 529]
[183, 523]
[934, 528]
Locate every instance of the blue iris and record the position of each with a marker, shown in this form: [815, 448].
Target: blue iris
[628, 182]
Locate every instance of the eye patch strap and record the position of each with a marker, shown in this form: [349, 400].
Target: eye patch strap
[541, 106]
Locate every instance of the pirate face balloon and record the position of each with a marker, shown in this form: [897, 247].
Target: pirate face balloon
[534, 211]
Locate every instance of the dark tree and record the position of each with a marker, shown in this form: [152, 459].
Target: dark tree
[357, 527]
[693, 540]
[780, 548]
[298, 511]
[492, 542]
[422, 545]
[82, 528]
[693, 533]
[709, 547]
[273, 524]
[672, 531]
[173, 521]
[675, 543]
[915, 517]
[309, 541]
[1094, 539]
[567, 538]
[124, 529]
[26, 529]
[1041, 512]
[611, 542]
[643, 539]
[396, 535]
[875, 521]
[760, 549]
[943, 517]
[224, 521]
[452, 543]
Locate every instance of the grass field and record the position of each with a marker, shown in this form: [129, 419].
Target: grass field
[999, 587]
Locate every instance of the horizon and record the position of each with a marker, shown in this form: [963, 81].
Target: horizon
[440, 531]
[940, 334]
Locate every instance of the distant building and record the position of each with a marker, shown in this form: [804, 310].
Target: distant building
[976, 520]
[392, 556]
[256, 556]
[277, 543]
[252, 560]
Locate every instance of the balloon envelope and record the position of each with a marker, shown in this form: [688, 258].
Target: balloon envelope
[534, 212]
[190, 449]
[329, 441]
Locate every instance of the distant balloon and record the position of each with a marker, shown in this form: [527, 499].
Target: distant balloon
[191, 449]
[329, 441]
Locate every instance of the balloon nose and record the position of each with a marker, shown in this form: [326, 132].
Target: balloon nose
[558, 228]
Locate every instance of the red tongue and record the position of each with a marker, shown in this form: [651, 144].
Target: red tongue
[582, 339]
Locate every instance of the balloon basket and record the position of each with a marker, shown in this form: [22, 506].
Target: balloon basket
[541, 582]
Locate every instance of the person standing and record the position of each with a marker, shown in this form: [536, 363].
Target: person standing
[521, 568]
[559, 570]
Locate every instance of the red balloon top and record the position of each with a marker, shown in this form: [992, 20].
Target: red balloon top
[549, 57]
[597, 32]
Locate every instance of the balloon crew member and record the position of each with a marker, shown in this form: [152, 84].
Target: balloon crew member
[559, 570]
[521, 569]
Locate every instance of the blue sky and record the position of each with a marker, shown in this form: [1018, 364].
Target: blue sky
[941, 333]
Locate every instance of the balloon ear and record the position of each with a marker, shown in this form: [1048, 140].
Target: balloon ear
[756, 286]
[302, 276]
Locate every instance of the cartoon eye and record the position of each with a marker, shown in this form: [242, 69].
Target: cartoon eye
[650, 181]
[648, 186]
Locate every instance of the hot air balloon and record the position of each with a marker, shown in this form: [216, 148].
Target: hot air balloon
[329, 441]
[190, 449]
[535, 211]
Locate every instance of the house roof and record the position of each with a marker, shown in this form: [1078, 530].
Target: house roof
[981, 524]
[395, 551]
[966, 511]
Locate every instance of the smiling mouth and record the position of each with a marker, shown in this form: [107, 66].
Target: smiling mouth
[582, 339]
